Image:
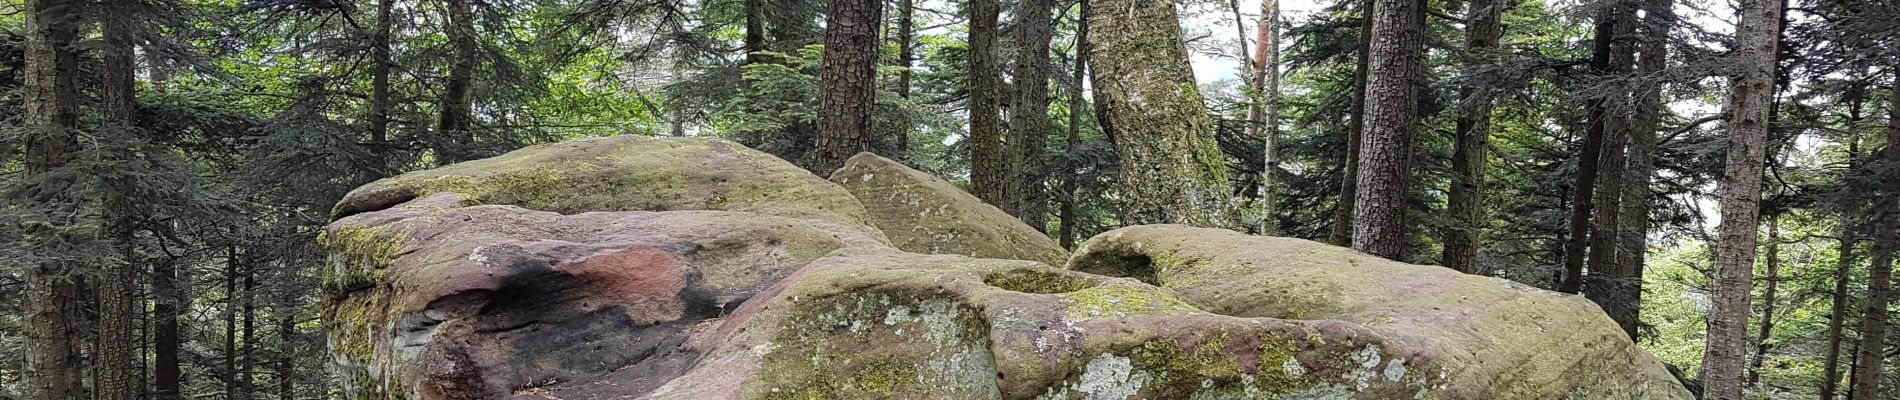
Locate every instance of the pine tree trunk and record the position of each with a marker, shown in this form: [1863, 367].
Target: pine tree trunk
[1171, 171]
[231, 305]
[755, 30]
[379, 98]
[1070, 182]
[1771, 258]
[1589, 157]
[166, 375]
[1029, 110]
[455, 119]
[848, 77]
[1484, 28]
[1604, 269]
[1355, 127]
[992, 175]
[1844, 261]
[286, 356]
[247, 379]
[1391, 120]
[117, 358]
[1622, 288]
[1266, 75]
[1751, 90]
[906, 56]
[51, 367]
[1886, 238]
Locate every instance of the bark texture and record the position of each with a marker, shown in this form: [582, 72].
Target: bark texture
[1604, 264]
[1029, 110]
[1171, 171]
[1483, 29]
[1886, 237]
[457, 113]
[1622, 288]
[1751, 91]
[906, 53]
[848, 78]
[1589, 158]
[1391, 120]
[992, 173]
[1355, 125]
[1263, 115]
[51, 369]
[117, 358]
[379, 101]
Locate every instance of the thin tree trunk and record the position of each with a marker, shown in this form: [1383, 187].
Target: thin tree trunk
[247, 379]
[1029, 110]
[1070, 181]
[1484, 28]
[991, 172]
[1583, 192]
[1886, 237]
[1771, 258]
[906, 56]
[1751, 90]
[165, 338]
[457, 108]
[848, 77]
[117, 357]
[1266, 75]
[1391, 120]
[51, 367]
[1844, 263]
[231, 305]
[1623, 287]
[379, 98]
[286, 356]
[1171, 170]
[1355, 125]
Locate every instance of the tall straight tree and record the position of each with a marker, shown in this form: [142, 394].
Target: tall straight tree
[455, 119]
[1393, 78]
[1590, 156]
[1029, 109]
[1845, 257]
[1751, 90]
[1066, 233]
[52, 363]
[1355, 128]
[1263, 113]
[848, 81]
[1483, 29]
[1612, 161]
[1171, 171]
[379, 95]
[992, 172]
[119, 368]
[906, 56]
[1886, 238]
[1621, 289]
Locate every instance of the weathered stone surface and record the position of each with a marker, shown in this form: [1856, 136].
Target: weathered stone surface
[624, 173]
[463, 303]
[924, 214]
[1495, 338]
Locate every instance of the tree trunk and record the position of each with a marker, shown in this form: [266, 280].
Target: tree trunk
[1484, 28]
[1604, 271]
[1070, 182]
[1355, 125]
[848, 77]
[992, 175]
[1171, 171]
[286, 356]
[1771, 258]
[1266, 76]
[51, 368]
[906, 56]
[755, 30]
[166, 374]
[1751, 89]
[1589, 157]
[379, 101]
[1622, 288]
[117, 357]
[231, 305]
[1844, 263]
[1029, 110]
[1873, 331]
[1391, 120]
[457, 113]
[247, 379]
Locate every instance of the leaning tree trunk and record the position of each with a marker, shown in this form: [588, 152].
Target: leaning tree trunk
[51, 366]
[1751, 90]
[1484, 28]
[1171, 171]
[1029, 110]
[457, 108]
[992, 175]
[848, 77]
[1886, 238]
[117, 360]
[1355, 126]
[1391, 117]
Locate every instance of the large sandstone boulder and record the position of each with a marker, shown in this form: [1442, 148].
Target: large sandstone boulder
[623, 173]
[924, 214]
[560, 290]
[1496, 338]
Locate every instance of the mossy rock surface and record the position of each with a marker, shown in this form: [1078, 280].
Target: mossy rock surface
[924, 214]
[1496, 338]
[623, 173]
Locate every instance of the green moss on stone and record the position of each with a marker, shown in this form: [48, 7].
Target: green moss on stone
[1037, 281]
[1121, 299]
